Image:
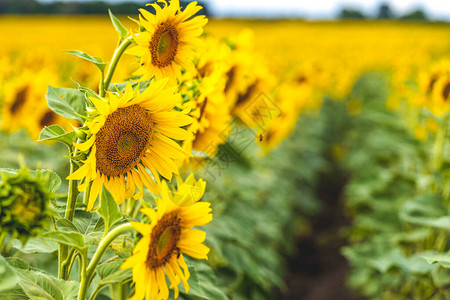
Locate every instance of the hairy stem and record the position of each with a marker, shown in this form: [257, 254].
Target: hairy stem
[70, 212]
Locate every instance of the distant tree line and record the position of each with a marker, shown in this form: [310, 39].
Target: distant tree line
[384, 12]
[74, 7]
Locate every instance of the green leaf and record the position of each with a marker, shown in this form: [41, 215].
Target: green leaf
[66, 226]
[111, 273]
[16, 293]
[428, 210]
[443, 260]
[86, 222]
[68, 103]
[57, 133]
[54, 181]
[18, 263]
[119, 27]
[73, 239]
[36, 245]
[109, 210]
[95, 60]
[38, 285]
[202, 282]
[8, 278]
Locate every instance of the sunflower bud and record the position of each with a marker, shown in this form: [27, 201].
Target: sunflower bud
[24, 202]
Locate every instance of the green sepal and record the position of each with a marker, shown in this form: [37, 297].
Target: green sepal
[95, 60]
[57, 133]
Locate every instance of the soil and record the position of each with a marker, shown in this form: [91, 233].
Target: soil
[317, 270]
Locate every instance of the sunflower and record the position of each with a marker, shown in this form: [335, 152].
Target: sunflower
[210, 114]
[168, 236]
[131, 137]
[440, 96]
[166, 45]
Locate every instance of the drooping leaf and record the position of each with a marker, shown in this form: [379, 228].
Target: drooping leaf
[72, 239]
[68, 103]
[36, 245]
[95, 60]
[57, 133]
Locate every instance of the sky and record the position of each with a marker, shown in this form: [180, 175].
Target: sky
[317, 9]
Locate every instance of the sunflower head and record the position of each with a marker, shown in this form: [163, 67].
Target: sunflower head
[24, 202]
[167, 238]
[131, 142]
[166, 44]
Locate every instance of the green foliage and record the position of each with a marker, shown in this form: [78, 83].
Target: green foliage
[97, 61]
[109, 210]
[36, 284]
[398, 239]
[123, 32]
[8, 279]
[57, 133]
[68, 103]
[73, 239]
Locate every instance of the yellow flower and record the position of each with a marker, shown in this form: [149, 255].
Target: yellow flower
[211, 116]
[165, 240]
[167, 43]
[440, 97]
[130, 134]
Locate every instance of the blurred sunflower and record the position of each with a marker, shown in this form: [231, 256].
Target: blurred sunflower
[131, 132]
[210, 114]
[440, 97]
[168, 236]
[166, 45]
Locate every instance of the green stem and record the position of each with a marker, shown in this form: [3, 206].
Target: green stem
[82, 293]
[104, 244]
[66, 263]
[115, 59]
[95, 292]
[121, 291]
[63, 250]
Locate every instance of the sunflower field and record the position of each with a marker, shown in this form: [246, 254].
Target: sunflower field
[170, 156]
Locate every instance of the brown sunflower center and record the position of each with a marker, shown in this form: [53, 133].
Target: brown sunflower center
[446, 91]
[19, 101]
[231, 78]
[164, 45]
[431, 83]
[48, 118]
[123, 140]
[242, 97]
[164, 240]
